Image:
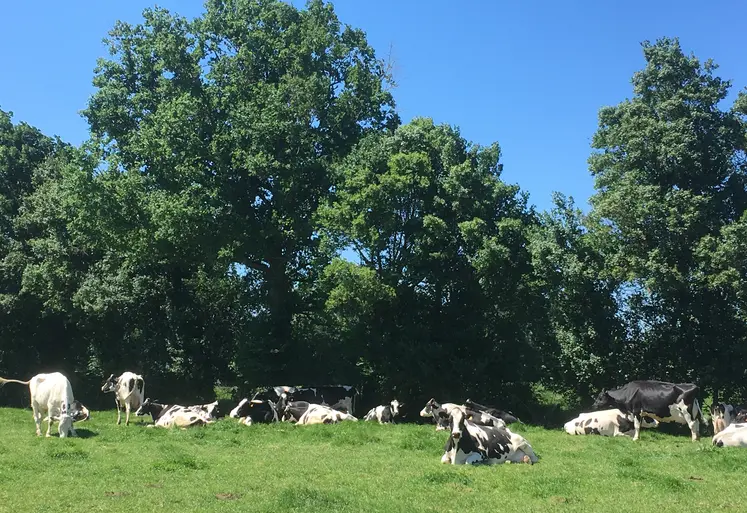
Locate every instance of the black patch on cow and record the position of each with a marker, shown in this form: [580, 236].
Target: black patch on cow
[587, 430]
[386, 414]
[132, 385]
[624, 424]
[192, 419]
[587, 422]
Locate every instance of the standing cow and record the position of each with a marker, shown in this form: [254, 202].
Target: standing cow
[129, 393]
[51, 394]
[660, 400]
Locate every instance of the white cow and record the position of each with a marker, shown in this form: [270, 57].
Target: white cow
[320, 414]
[129, 392]
[734, 435]
[612, 422]
[51, 394]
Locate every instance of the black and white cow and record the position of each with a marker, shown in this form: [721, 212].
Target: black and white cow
[172, 415]
[471, 443]
[734, 435]
[722, 416]
[255, 411]
[660, 400]
[606, 423]
[129, 393]
[337, 397]
[304, 413]
[440, 412]
[384, 414]
[210, 409]
[506, 417]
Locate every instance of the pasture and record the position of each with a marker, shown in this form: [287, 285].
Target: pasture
[351, 467]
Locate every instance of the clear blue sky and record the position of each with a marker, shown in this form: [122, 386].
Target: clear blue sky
[528, 74]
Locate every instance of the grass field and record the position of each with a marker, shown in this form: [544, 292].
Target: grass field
[351, 467]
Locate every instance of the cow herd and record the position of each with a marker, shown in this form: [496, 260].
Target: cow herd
[477, 433]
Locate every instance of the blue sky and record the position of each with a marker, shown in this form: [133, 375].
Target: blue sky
[531, 75]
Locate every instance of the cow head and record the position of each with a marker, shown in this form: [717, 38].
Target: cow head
[110, 385]
[429, 408]
[603, 401]
[457, 423]
[79, 412]
[150, 407]
[395, 407]
[66, 421]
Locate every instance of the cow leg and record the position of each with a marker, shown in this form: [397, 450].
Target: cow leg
[37, 421]
[49, 425]
[127, 413]
[636, 425]
[119, 412]
[693, 424]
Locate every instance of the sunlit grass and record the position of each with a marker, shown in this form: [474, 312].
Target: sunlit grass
[350, 467]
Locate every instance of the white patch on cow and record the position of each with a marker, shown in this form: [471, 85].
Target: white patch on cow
[734, 435]
[235, 412]
[604, 423]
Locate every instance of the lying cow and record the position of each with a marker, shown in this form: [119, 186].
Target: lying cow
[506, 417]
[384, 414]
[471, 444]
[734, 435]
[722, 416]
[129, 393]
[304, 413]
[606, 423]
[51, 394]
[660, 400]
[210, 409]
[172, 415]
[255, 411]
[440, 412]
[337, 397]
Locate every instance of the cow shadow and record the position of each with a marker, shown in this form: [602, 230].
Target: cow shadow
[85, 433]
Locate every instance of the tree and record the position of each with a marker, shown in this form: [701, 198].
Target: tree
[670, 172]
[232, 121]
[442, 241]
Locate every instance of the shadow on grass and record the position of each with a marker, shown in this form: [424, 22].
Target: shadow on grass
[85, 433]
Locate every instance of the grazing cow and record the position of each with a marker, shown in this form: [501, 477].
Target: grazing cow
[129, 392]
[338, 397]
[51, 394]
[734, 435]
[384, 414]
[606, 423]
[439, 412]
[304, 413]
[168, 415]
[665, 402]
[79, 413]
[470, 443]
[255, 411]
[506, 417]
[722, 416]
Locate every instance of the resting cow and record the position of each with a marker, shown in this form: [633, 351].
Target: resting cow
[735, 435]
[129, 393]
[51, 394]
[506, 417]
[605, 423]
[172, 415]
[470, 443]
[722, 416]
[210, 409]
[384, 414]
[440, 412]
[660, 400]
[304, 413]
[254, 411]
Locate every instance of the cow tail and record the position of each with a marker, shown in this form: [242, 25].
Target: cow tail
[3, 381]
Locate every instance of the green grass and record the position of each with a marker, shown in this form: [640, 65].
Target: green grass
[351, 467]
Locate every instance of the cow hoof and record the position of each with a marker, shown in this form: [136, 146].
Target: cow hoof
[526, 459]
[48, 435]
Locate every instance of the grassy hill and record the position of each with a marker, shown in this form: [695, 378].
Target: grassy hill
[351, 467]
